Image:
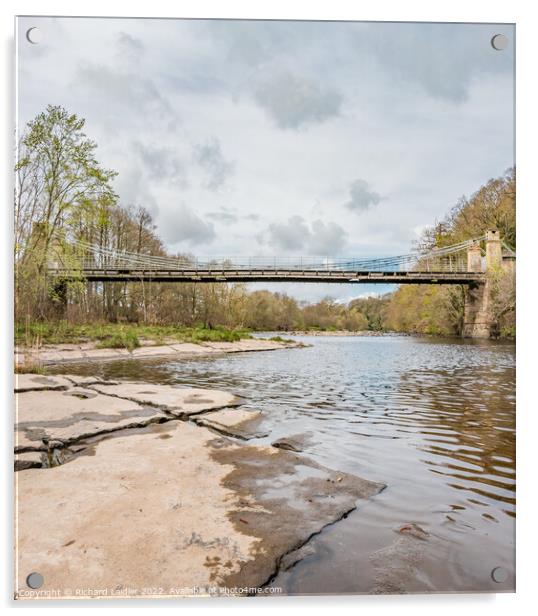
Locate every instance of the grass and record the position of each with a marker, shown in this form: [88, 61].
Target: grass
[120, 335]
[120, 340]
[29, 368]
[280, 339]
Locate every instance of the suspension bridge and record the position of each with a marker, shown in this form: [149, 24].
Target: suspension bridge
[460, 263]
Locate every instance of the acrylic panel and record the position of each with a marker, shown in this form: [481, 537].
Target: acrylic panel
[264, 308]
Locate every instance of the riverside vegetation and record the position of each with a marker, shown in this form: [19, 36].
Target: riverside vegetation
[64, 195]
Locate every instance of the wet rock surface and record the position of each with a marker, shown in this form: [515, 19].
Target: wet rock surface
[29, 459]
[84, 381]
[145, 499]
[284, 499]
[297, 442]
[67, 416]
[144, 511]
[39, 382]
[240, 423]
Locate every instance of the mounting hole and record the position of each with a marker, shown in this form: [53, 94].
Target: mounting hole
[34, 36]
[499, 42]
[35, 580]
[499, 575]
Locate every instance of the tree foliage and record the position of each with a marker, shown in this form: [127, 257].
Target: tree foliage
[64, 196]
[439, 309]
[60, 187]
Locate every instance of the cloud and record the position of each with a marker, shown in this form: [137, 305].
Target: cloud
[318, 239]
[361, 197]
[182, 225]
[125, 91]
[162, 163]
[224, 215]
[443, 59]
[290, 235]
[133, 188]
[301, 108]
[210, 157]
[294, 101]
[326, 238]
[130, 46]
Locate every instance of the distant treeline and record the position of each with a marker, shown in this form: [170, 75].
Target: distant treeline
[64, 196]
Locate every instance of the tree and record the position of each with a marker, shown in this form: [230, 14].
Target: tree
[59, 185]
[429, 309]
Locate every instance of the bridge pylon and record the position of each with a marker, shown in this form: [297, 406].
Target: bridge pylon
[479, 316]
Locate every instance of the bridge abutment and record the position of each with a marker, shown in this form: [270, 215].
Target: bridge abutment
[479, 317]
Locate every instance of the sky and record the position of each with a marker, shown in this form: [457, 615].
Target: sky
[246, 138]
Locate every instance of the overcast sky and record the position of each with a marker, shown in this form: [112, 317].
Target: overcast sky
[282, 138]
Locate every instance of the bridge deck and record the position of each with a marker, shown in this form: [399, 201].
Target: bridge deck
[272, 275]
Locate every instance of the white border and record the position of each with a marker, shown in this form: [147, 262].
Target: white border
[519, 11]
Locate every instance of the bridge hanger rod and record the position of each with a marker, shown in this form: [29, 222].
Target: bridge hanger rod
[158, 259]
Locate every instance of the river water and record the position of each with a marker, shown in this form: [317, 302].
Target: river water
[433, 419]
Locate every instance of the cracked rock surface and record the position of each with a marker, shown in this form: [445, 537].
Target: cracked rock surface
[157, 504]
[179, 402]
[66, 416]
[88, 351]
[40, 382]
[241, 423]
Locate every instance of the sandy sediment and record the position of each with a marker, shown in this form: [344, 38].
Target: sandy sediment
[87, 352]
[149, 502]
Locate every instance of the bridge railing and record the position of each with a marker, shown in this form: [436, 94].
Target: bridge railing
[449, 263]
[90, 257]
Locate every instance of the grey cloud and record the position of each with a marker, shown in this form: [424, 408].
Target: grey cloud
[320, 239]
[444, 59]
[210, 157]
[289, 236]
[132, 188]
[124, 90]
[361, 198]
[182, 225]
[297, 101]
[224, 215]
[131, 46]
[162, 163]
[326, 238]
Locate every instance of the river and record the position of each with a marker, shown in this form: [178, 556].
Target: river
[433, 419]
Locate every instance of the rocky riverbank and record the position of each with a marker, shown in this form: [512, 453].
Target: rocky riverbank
[135, 489]
[88, 351]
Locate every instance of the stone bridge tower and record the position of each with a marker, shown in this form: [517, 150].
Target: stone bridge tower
[479, 318]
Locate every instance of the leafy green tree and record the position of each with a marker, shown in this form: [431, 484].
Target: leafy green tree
[59, 185]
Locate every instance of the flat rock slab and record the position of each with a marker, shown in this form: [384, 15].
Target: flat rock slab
[241, 423]
[284, 500]
[261, 344]
[144, 511]
[179, 402]
[84, 381]
[38, 382]
[104, 354]
[88, 351]
[66, 416]
[152, 351]
[297, 442]
[189, 348]
[29, 459]
[172, 510]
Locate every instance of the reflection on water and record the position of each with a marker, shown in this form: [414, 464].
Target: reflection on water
[432, 419]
